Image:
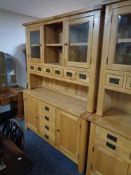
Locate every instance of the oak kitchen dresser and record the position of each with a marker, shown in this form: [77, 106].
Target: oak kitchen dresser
[63, 54]
[110, 134]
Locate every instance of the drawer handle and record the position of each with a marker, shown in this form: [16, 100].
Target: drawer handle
[69, 74]
[46, 136]
[46, 127]
[114, 81]
[39, 69]
[46, 108]
[47, 118]
[113, 138]
[111, 146]
[82, 76]
[48, 70]
[32, 67]
[57, 72]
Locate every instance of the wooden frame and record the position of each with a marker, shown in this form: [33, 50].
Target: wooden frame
[89, 20]
[31, 29]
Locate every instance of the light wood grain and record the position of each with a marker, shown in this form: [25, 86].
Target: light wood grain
[64, 102]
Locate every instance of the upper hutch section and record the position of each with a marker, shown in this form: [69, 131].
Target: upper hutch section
[63, 40]
[63, 54]
[119, 37]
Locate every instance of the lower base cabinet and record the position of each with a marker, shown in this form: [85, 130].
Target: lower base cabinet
[64, 131]
[68, 134]
[108, 153]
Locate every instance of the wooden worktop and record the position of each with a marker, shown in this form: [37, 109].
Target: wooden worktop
[70, 104]
[115, 121]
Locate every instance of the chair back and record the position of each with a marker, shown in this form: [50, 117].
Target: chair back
[12, 129]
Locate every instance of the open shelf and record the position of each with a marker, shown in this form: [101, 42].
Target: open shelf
[53, 55]
[54, 45]
[70, 104]
[54, 33]
[125, 40]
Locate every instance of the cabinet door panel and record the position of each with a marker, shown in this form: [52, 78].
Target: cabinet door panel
[68, 134]
[31, 113]
[79, 41]
[34, 43]
[120, 41]
[106, 163]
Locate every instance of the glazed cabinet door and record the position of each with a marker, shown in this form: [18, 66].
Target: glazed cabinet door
[120, 39]
[79, 41]
[31, 116]
[34, 43]
[68, 134]
[107, 163]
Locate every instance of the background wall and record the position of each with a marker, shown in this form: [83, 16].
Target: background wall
[12, 40]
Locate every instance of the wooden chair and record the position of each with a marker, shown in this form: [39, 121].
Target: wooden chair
[14, 132]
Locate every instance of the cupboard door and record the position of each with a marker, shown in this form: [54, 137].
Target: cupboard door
[31, 115]
[68, 134]
[107, 163]
[120, 40]
[79, 41]
[35, 43]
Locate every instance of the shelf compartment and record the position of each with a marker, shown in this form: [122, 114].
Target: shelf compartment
[54, 55]
[48, 70]
[54, 33]
[54, 45]
[128, 83]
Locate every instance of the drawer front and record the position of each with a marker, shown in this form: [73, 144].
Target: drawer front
[32, 68]
[128, 83]
[48, 120]
[70, 74]
[114, 80]
[48, 136]
[83, 76]
[48, 70]
[47, 128]
[58, 72]
[39, 69]
[46, 108]
[114, 141]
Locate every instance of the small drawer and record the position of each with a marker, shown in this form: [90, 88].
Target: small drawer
[32, 68]
[114, 80]
[128, 83]
[123, 144]
[46, 108]
[83, 76]
[47, 128]
[48, 136]
[70, 74]
[48, 70]
[39, 69]
[58, 72]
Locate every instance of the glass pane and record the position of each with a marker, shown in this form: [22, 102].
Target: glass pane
[35, 37]
[78, 33]
[123, 54]
[35, 52]
[123, 45]
[78, 53]
[124, 26]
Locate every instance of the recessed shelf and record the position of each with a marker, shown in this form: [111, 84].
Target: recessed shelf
[54, 45]
[35, 45]
[78, 44]
[125, 40]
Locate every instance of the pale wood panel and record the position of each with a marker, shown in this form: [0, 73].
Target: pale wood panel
[68, 134]
[70, 89]
[31, 112]
[64, 102]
